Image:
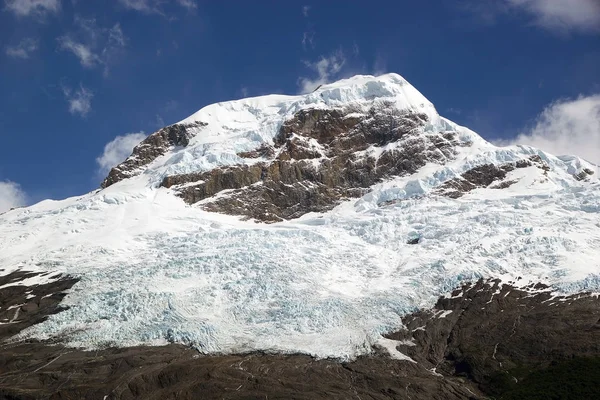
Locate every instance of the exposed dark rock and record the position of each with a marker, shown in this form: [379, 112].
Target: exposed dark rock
[24, 306]
[486, 175]
[264, 151]
[149, 149]
[584, 174]
[413, 240]
[320, 161]
[489, 328]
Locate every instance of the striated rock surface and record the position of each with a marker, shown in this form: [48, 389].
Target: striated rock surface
[319, 158]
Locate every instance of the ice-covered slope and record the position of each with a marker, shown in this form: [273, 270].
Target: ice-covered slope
[154, 269]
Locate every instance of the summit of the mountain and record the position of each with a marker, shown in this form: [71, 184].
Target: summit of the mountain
[271, 158]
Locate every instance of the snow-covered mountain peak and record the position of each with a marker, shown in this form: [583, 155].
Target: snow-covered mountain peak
[216, 135]
[376, 205]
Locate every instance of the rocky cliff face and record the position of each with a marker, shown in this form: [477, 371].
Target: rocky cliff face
[318, 158]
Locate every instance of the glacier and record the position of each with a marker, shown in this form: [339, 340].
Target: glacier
[154, 270]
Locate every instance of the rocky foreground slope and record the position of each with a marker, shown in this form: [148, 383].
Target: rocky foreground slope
[283, 245]
[487, 340]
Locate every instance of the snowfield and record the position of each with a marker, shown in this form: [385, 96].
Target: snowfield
[155, 270]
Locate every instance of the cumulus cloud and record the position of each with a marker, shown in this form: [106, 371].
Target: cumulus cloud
[326, 69]
[24, 8]
[581, 15]
[93, 45]
[117, 150]
[22, 50]
[79, 100]
[567, 127]
[558, 16]
[11, 195]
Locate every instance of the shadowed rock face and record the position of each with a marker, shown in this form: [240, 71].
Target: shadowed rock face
[24, 306]
[460, 346]
[149, 149]
[319, 158]
[489, 329]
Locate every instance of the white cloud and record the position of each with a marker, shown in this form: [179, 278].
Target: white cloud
[567, 127]
[80, 100]
[563, 15]
[155, 6]
[83, 52]
[189, 4]
[24, 8]
[117, 150]
[23, 49]
[93, 45]
[145, 6]
[11, 195]
[326, 68]
[558, 16]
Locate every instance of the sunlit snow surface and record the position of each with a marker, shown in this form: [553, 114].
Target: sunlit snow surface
[154, 270]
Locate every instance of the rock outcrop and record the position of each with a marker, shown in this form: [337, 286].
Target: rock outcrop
[488, 175]
[319, 157]
[24, 306]
[150, 148]
[490, 331]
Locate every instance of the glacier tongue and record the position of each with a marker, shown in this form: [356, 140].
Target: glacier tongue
[155, 270]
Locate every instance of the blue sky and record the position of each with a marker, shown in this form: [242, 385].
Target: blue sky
[75, 74]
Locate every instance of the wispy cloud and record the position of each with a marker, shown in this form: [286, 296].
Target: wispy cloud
[25, 8]
[82, 51]
[93, 45]
[189, 4]
[308, 38]
[567, 127]
[145, 6]
[558, 16]
[156, 6]
[79, 100]
[305, 10]
[562, 15]
[117, 150]
[326, 69]
[22, 50]
[11, 195]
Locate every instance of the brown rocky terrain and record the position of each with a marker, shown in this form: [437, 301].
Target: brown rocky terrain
[461, 348]
[319, 158]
